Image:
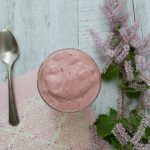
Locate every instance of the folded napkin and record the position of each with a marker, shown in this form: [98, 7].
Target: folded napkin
[41, 127]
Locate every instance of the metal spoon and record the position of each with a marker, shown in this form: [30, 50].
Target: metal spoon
[9, 52]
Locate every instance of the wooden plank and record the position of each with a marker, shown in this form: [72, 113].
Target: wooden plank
[91, 17]
[40, 27]
[142, 15]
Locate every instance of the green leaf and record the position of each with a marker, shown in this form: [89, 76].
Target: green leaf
[116, 143]
[116, 40]
[113, 141]
[147, 133]
[111, 73]
[136, 110]
[104, 125]
[117, 27]
[124, 121]
[113, 113]
[144, 140]
[134, 95]
[128, 146]
[146, 137]
[122, 84]
[131, 55]
[135, 121]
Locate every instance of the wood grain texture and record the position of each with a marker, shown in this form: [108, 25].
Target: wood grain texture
[40, 27]
[43, 26]
[90, 16]
[142, 15]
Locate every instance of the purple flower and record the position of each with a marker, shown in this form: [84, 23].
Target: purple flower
[130, 34]
[118, 49]
[123, 54]
[104, 49]
[99, 46]
[108, 42]
[122, 19]
[121, 38]
[129, 70]
[106, 66]
[142, 46]
[140, 132]
[141, 146]
[138, 146]
[113, 11]
[96, 40]
[143, 67]
[123, 137]
[120, 133]
[140, 62]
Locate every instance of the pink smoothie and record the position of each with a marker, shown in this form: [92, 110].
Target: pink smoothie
[68, 80]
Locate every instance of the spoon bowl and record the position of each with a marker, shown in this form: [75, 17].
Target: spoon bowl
[9, 52]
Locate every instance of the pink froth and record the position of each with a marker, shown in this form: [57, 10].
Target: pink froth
[69, 80]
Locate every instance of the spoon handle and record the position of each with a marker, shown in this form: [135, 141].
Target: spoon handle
[13, 114]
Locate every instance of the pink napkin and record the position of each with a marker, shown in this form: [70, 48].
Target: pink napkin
[40, 126]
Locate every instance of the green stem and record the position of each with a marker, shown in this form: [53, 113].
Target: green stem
[122, 91]
[122, 103]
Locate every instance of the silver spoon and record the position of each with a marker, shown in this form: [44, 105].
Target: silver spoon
[9, 52]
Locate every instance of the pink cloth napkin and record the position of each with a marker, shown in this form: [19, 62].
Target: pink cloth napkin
[40, 126]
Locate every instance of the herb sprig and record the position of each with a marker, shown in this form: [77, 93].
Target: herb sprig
[125, 58]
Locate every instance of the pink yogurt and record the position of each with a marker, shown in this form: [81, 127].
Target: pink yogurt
[68, 80]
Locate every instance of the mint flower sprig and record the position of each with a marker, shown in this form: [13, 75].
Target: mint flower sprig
[125, 56]
[124, 133]
[124, 52]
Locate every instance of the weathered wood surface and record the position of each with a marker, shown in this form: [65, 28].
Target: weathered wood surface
[43, 26]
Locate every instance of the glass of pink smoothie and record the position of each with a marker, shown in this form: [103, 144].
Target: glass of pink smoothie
[69, 80]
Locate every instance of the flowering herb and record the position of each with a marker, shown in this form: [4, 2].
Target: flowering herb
[125, 57]
[123, 133]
